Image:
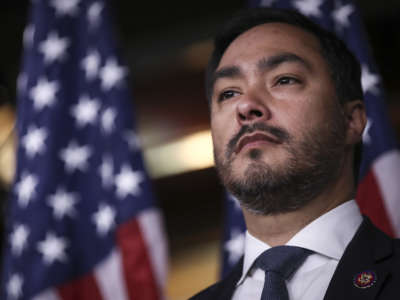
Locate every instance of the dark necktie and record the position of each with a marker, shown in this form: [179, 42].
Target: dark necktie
[279, 263]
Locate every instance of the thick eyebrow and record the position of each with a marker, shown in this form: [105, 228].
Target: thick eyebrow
[264, 64]
[270, 63]
[226, 72]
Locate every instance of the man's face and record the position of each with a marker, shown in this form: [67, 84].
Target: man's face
[277, 126]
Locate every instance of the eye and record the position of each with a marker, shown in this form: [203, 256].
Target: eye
[287, 80]
[227, 95]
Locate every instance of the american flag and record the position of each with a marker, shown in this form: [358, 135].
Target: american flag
[82, 222]
[378, 193]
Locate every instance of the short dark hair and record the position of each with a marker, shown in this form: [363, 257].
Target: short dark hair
[344, 67]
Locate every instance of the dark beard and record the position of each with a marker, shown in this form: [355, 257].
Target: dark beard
[311, 166]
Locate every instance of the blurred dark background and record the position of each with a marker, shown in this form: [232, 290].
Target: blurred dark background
[166, 45]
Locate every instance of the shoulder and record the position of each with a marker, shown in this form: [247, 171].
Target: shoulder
[370, 243]
[370, 251]
[379, 241]
[209, 293]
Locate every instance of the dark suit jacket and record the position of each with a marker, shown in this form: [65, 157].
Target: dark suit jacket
[369, 250]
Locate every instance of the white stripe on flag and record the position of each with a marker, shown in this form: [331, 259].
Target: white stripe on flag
[109, 277]
[49, 294]
[387, 173]
[151, 224]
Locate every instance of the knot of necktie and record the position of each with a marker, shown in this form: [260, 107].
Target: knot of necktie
[283, 260]
[279, 263]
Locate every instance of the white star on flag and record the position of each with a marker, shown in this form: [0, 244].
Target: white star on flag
[28, 35]
[54, 47]
[342, 13]
[111, 74]
[25, 188]
[19, 238]
[235, 246]
[85, 112]
[104, 219]
[94, 13]
[75, 157]
[43, 93]
[53, 248]
[369, 80]
[14, 286]
[33, 140]
[90, 64]
[108, 120]
[127, 181]
[309, 7]
[366, 137]
[65, 7]
[106, 171]
[62, 203]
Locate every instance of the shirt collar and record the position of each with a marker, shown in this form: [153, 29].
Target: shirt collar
[328, 235]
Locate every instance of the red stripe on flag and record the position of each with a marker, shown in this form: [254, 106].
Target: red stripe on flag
[371, 203]
[80, 289]
[138, 273]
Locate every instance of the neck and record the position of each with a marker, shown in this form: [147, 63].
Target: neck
[278, 229]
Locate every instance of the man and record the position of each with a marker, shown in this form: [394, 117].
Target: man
[286, 115]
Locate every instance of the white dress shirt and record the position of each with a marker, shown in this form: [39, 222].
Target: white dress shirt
[327, 236]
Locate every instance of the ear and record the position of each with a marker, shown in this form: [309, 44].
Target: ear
[356, 120]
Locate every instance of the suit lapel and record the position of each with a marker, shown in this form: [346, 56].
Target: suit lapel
[368, 254]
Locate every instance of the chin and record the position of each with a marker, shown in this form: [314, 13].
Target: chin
[256, 157]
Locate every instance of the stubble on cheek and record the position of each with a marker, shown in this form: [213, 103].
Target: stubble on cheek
[312, 161]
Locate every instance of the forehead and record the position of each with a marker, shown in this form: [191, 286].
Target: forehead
[271, 38]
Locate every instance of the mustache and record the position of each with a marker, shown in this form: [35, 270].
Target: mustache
[279, 133]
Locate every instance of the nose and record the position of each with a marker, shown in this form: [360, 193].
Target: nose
[251, 110]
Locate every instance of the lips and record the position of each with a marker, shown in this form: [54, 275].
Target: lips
[254, 138]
